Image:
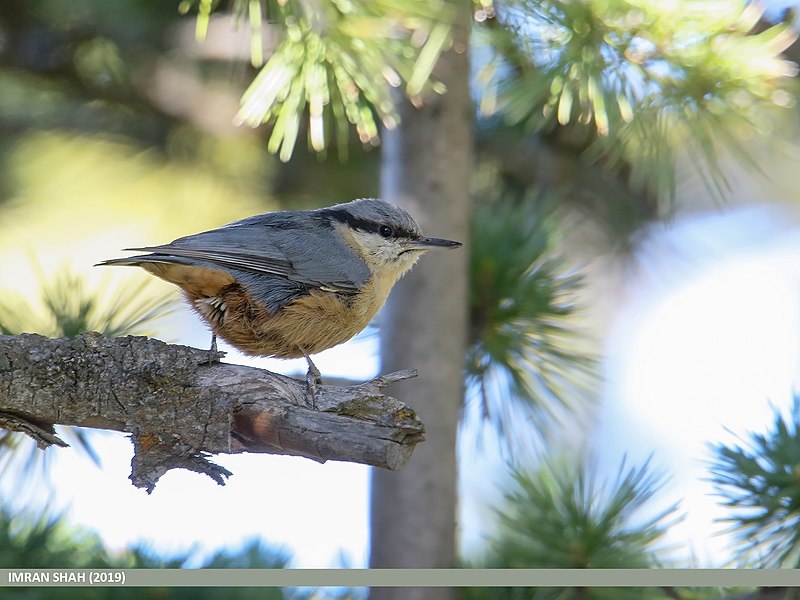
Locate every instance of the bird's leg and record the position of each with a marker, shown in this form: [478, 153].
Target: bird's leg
[313, 379]
[212, 351]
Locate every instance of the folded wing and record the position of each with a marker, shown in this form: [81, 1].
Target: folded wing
[310, 254]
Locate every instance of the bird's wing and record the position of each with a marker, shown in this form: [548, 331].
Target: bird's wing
[235, 259]
[312, 255]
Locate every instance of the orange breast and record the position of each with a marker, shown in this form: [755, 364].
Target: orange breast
[312, 323]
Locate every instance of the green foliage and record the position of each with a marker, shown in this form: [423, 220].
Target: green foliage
[558, 516]
[39, 541]
[44, 541]
[337, 64]
[524, 304]
[759, 481]
[641, 80]
[635, 80]
[252, 555]
[69, 309]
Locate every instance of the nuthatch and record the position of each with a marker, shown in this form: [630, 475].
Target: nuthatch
[294, 283]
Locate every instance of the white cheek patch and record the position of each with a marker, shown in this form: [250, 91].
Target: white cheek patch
[385, 254]
[376, 249]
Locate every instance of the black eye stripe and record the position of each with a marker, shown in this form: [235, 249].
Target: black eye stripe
[343, 216]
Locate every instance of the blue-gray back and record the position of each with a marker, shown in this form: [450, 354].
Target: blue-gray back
[276, 256]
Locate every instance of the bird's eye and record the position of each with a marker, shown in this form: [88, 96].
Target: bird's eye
[386, 231]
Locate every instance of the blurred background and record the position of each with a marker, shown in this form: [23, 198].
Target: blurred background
[632, 342]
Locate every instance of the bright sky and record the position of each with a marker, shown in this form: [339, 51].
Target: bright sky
[709, 342]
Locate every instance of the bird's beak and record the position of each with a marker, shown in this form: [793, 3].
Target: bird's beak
[427, 243]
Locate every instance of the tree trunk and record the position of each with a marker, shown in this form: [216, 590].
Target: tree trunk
[426, 168]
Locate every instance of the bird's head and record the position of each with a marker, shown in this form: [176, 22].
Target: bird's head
[384, 235]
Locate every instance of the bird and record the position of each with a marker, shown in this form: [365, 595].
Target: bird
[290, 284]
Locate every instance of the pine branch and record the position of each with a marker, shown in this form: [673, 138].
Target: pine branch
[179, 410]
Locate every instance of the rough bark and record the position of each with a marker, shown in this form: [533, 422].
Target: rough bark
[426, 168]
[179, 409]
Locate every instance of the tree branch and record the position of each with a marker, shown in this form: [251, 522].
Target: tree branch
[179, 410]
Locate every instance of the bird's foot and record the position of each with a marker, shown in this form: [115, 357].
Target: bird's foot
[313, 379]
[213, 354]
